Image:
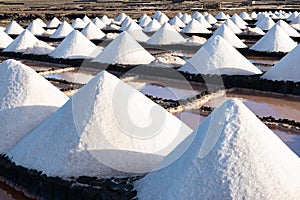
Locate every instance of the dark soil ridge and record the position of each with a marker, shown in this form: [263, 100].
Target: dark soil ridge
[36, 185]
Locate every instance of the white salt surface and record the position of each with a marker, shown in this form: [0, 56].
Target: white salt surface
[195, 40]
[204, 22]
[152, 26]
[234, 28]
[169, 58]
[54, 23]
[166, 34]
[22, 42]
[195, 27]
[221, 16]
[217, 56]
[13, 28]
[265, 24]
[232, 155]
[62, 31]
[78, 23]
[26, 100]
[99, 23]
[287, 69]
[35, 28]
[211, 19]
[136, 32]
[92, 32]
[5, 39]
[39, 48]
[94, 134]
[288, 29]
[254, 31]
[75, 45]
[124, 50]
[275, 40]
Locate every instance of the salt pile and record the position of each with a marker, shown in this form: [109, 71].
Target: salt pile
[288, 29]
[186, 18]
[227, 34]
[92, 32]
[5, 40]
[39, 48]
[35, 28]
[62, 31]
[106, 20]
[156, 14]
[75, 45]
[93, 134]
[253, 15]
[221, 16]
[54, 23]
[145, 21]
[204, 22]
[162, 18]
[78, 24]
[152, 26]
[234, 28]
[166, 34]
[287, 69]
[179, 15]
[296, 23]
[41, 22]
[86, 19]
[254, 31]
[126, 22]
[238, 21]
[175, 21]
[275, 40]
[22, 42]
[143, 17]
[211, 19]
[217, 56]
[233, 155]
[124, 50]
[99, 23]
[196, 15]
[120, 18]
[13, 28]
[26, 100]
[292, 16]
[245, 16]
[136, 32]
[265, 24]
[195, 27]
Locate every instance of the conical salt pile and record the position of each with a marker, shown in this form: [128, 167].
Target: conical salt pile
[124, 50]
[186, 18]
[106, 129]
[221, 16]
[238, 21]
[39, 48]
[275, 40]
[22, 42]
[54, 23]
[35, 28]
[78, 24]
[162, 18]
[296, 23]
[145, 21]
[86, 19]
[227, 34]
[245, 16]
[156, 14]
[152, 26]
[211, 19]
[41, 22]
[5, 40]
[126, 22]
[106, 20]
[288, 29]
[62, 31]
[175, 21]
[234, 28]
[99, 23]
[196, 15]
[26, 100]
[120, 18]
[217, 56]
[195, 27]
[13, 28]
[204, 22]
[233, 155]
[92, 32]
[287, 69]
[136, 32]
[292, 16]
[75, 45]
[265, 24]
[142, 18]
[166, 34]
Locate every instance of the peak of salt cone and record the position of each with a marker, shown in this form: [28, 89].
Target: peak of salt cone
[92, 32]
[177, 22]
[179, 15]
[145, 21]
[204, 22]
[99, 23]
[195, 27]
[287, 69]
[106, 20]
[86, 19]
[265, 24]
[75, 45]
[13, 28]
[136, 32]
[102, 131]
[227, 34]
[54, 23]
[152, 26]
[163, 18]
[292, 16]
[234, 28]
[217, 56]
[245, 16]
[120, 18]
[166, 34]
[78, 23]
[196, 15]
[275, 40]
[232, 155]
[124, 50]
[26, 99]
[35, 28]
[142, 18]
[39, 48]
[126, 22]
[221, 16]
[62, 31]
[288, 29]
[156, 14]
[211, 19]
[22, 42]
[186, 18]
[41, 22]
[5, 39]
[238, 21]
